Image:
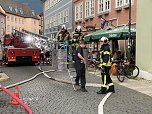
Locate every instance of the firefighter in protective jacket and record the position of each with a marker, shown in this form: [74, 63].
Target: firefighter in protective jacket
[77, 36]
[63, 35]
[105, 64]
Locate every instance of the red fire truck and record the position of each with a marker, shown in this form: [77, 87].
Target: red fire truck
[18, 48]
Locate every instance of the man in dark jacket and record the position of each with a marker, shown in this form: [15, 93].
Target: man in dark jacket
[80, 66]
[105, 64]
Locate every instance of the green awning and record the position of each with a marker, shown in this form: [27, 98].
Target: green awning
[119, 32]
[92, 37]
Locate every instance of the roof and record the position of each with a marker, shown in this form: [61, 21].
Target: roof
[2, 11]
[16, 8]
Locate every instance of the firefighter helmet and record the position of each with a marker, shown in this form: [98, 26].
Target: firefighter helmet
[63, 27]
[104, 40]
[78, 29]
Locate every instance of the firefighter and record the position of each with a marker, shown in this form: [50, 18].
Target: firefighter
[80, 66]
[63, 35]
[76, 38]
[105, 64]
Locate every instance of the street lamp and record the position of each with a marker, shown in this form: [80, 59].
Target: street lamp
[129, 38]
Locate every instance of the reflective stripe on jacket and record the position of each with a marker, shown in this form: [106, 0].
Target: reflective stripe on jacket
[105, 56]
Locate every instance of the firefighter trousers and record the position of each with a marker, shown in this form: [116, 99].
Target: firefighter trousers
[106, 79]
[80, 71]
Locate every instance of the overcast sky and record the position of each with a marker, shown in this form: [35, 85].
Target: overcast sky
[34, 4]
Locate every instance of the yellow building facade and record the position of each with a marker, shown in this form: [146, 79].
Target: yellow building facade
[19, 16]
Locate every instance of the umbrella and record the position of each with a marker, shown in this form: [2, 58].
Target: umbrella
[93, 36]
[119, 33]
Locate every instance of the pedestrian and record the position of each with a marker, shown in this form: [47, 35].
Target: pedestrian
[42, 58]
[80, 66]
[105, 64]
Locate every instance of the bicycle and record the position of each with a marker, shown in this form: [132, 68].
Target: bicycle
[126, 69]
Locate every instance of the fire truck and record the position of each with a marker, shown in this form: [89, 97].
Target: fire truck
[19, 47]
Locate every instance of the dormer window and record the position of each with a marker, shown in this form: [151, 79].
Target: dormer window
[21, 11]
[16, 10]
[33, 13]
[10, 8]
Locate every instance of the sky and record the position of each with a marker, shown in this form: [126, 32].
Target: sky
[34, 4]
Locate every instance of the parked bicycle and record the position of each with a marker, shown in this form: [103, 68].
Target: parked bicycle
[126, 69]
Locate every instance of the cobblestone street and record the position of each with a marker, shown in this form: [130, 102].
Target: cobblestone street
[45, 96]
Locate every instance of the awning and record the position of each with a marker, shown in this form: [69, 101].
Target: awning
[93, 36]
[119, 33]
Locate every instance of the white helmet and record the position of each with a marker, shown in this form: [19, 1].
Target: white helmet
[104, 40]
[63, 27]
[78, 29]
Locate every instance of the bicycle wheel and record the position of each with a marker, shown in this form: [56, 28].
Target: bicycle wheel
[133, 71]
[120, 75]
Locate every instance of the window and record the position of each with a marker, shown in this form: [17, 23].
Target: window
[10, 8]
[34, 22]
[59, 21]
[67, 15]
[22, 21]
[92, 7]
[89, 11]
[47, 5]
[33, 13]
[2, 20]
[55, 20]
[8, 28]
[12, 18]
[21, 11]
[52, 19]
[126, 2]
[101, 9]
[2, 31]
[78, 12]
[64, 16]
[104, 6]
[16, 10]
[12, 28]
[19, 20]
[53, 2]
[50, 22]
[107, 5]
[119, 3]
[8, 18]
[61, 18]
[15, 19]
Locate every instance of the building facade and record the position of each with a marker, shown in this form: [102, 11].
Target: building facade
[19, 16]
[90, 14]
[56, 13]
[40, 17]
[144, 38]
[2, 22]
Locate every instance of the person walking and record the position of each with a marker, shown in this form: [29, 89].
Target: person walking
[80, 66]
[105, 64]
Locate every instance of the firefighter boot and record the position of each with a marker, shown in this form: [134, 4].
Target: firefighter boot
[102, 91]
[111, 89]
